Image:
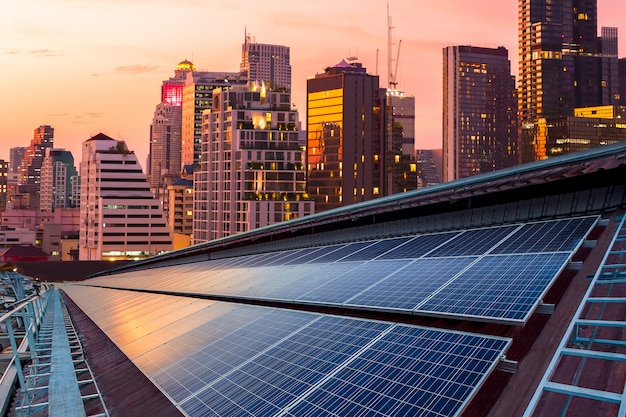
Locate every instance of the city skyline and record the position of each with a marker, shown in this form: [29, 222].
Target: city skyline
[85, 76]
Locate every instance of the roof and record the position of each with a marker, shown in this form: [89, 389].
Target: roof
[100, 136]
[458, 300]
[59, 271]
[23, 251]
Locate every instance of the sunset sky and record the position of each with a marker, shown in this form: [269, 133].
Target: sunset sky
[86, 67]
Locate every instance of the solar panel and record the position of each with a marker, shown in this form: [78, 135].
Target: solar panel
[342, 287]
[408, 286]
[473, 242]
[343, 251]
[418, 246]
[499, 287]
[550, 236]
[375, 250]
[409, 371]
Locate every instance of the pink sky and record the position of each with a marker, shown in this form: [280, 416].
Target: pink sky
[86, 67]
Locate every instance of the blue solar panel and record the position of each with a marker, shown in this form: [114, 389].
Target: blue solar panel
[375, 250]
[418, 246]
[411, 285]
[218, 346]
[278, 375]
[473, 242]
[311, 279]
[410, 371]
[499, 287]
[551, 236]
[313, 254]
[342, 252]
[343, 287]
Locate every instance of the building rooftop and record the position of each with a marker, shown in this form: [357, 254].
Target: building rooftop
[500, 294]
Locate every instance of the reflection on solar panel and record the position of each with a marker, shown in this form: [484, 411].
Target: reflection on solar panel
[222, 359]
[498, 286]
[497, 273]
[399, 291]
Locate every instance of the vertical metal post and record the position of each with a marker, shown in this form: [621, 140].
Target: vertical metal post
[16, 355]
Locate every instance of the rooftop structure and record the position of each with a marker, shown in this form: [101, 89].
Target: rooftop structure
[471, 297]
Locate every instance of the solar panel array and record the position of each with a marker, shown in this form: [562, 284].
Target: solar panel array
[221, 359]
[489, 274]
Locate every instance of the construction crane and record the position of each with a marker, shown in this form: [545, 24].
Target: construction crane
[391, 75]
[393, 82]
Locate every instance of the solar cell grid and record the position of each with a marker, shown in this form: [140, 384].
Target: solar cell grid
[498, 287]
[407, 287]
[278, 375]
[473, 242]
[343, 287]
[313, 278]
[342, 252]
[375, 250]
[401, 374]
[316, 253]
[418, 246]
[550, 236]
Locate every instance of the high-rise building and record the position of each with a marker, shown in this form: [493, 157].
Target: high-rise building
[266, 63]
[29, 172]
[58, 179]
[403, 110]
[563, 64]
[4, 175]
[15, 159]
[347, 138]
[479, 111]
[587, 128]
[165, 131]
[197, 94]
[622, 81]
[121, 219]
[252, 168]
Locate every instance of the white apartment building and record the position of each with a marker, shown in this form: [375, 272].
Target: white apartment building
[263, 62]
[252, 170]
[120, 218]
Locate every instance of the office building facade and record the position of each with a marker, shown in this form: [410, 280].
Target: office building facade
[58, 181]
[347, 136]
[197, 96]
[266, 63]
[563, 64]
[29, 171]
[121, 219]
[479, 111]
[165, 131]
[252, 168]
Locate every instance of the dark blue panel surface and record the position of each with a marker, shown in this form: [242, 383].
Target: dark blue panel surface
[357, 279]
[473, 242]
[418, 246]
[376, 249]
[551, 236]
[410, 371]
[279, 375]
[342, 252]
[411, 285]
[503, 286]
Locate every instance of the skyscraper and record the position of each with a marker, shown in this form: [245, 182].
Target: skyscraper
[121, 219]
[404, 113]
[165, 130]
[15, 158]
[479, 117]
[29, 172]
[197, 94]
[252, 168]
[563, 64]
[346, 128]
[267, 63]
[58, 176]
